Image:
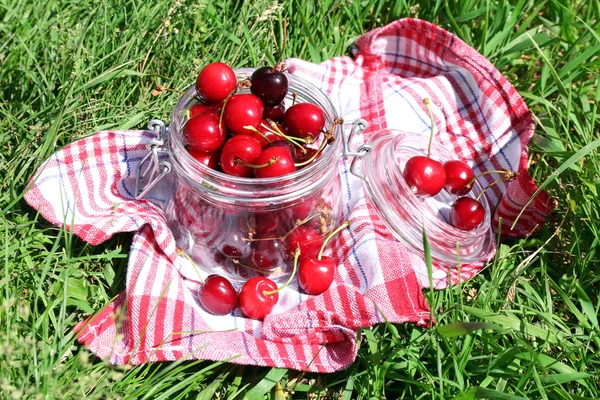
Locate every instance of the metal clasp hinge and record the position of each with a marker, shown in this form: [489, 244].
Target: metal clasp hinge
[151, 169]
[358, 126]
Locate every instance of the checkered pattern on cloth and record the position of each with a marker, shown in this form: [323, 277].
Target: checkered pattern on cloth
[88, 186]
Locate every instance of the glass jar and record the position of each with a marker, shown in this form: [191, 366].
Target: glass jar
[380, 165]
[239, 227]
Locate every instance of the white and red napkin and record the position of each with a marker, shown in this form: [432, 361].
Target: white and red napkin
[88, 186]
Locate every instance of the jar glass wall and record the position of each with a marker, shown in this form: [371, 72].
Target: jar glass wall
[239, 227]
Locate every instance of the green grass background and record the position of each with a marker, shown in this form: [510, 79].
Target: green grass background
[526, 327]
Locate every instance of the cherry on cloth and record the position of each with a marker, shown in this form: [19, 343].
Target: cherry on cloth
[89, 186]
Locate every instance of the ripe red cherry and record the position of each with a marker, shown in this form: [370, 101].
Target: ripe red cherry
[316, 276]
[198, 109]
[202, 132]
[211, 160]
[269, 85]
[458, 176]
[306, 207]
[215, 82]
[217, 295]
[242, 147]
[466, 213]
[275, 113]
[243, 110]
[425, 176]
[304, 120]
[283, 166]
[309, 240]
[253, 301]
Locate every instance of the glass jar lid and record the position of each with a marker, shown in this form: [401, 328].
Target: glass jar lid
[380, 164]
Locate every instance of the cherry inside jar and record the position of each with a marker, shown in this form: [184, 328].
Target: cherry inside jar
[242, 227]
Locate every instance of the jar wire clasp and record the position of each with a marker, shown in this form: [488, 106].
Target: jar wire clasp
[151, 168]
[358, 126]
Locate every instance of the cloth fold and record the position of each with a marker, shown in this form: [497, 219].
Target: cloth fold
[88, 187]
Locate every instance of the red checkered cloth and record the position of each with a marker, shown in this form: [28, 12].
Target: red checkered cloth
[88, 186]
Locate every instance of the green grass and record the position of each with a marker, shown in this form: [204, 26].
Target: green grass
[526, 327]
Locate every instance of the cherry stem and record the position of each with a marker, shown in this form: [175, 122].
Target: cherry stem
[507, 176]
[296, 255]
[223, 109]
[259, 270]
[294, 95]
[311, 159]
[239, 84]
[426, 101]
[332, 234]
[281, 54]
[161, 88]
[253, 129]
[272, 161]
[275, 129]
[180, 252]
[503, 179]
[288, 233]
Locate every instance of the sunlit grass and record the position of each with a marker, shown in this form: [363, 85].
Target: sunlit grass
[526, 327]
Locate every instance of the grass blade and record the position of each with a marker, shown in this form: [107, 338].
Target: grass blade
[462, 328]
[266, 384]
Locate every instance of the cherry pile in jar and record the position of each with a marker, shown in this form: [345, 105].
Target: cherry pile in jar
[252, 134]
[256, 130]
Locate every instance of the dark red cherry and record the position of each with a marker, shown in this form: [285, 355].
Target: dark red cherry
[309, 240]
[307, 155]
[275, 113]
[316, 276]
[458, 177]
[267, 254]
[269, 85]
[243, 110]
[267, 224]
[234, 246]
[215, 82]
[253, 300]
[284, 144]
[211, 160]
[283, 165]
[466, 213]
[203, 133]
[304, 120]
[239, 147]
[425, 176]
[217, 295]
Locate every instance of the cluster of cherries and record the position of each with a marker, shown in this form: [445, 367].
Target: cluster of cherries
[259, 295]
[254, 135]
[251, 134]
[427, 177]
